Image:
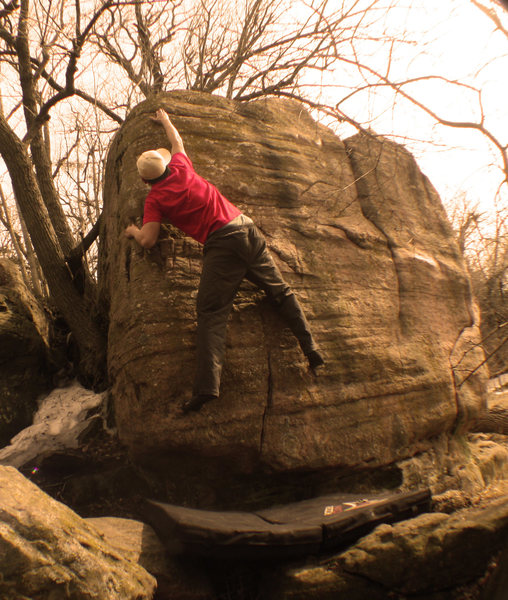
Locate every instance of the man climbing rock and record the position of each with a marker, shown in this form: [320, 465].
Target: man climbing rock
[234, 249]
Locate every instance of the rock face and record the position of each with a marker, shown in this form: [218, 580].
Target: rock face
[48, 552]
[177, 579]
[361, 236]
[495, 417]
[134, 540]
[23, 352]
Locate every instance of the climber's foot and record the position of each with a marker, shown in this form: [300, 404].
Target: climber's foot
[196, 402]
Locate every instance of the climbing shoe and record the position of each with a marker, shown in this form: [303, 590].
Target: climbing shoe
[315, 360]
[196, 402]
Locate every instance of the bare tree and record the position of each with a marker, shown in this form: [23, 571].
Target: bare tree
[39, 49]
[135, 39]
[484, 239]
[59, 60]
[238, 50]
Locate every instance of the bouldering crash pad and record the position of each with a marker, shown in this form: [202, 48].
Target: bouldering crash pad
[308, 527]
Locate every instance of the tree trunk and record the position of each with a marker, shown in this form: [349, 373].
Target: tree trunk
[37, 277]
[41, 150]
[72, 305]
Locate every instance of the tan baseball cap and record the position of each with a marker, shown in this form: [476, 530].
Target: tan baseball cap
[152, 163]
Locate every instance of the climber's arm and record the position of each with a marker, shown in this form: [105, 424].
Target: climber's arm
[161, 116]
[147, 236]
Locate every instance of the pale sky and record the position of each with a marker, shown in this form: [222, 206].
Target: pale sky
[457, 41]
[453, 39]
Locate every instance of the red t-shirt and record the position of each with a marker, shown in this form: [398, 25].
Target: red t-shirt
[188, 201]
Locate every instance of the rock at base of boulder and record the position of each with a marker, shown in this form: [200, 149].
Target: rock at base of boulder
[48, 551]
[60, 425]
[432, 554]
[176, 578]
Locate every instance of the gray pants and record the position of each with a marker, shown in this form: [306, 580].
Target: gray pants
[232, 253]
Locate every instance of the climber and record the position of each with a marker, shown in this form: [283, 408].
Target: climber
[234, 249]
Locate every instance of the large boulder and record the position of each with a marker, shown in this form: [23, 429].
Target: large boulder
[24, 335]
[48, 552]
[361, 236]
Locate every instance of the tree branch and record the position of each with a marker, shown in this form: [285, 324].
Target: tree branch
[483, 362]
[397, 87]
[70, 73]
[77, 253]
[9, 8]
